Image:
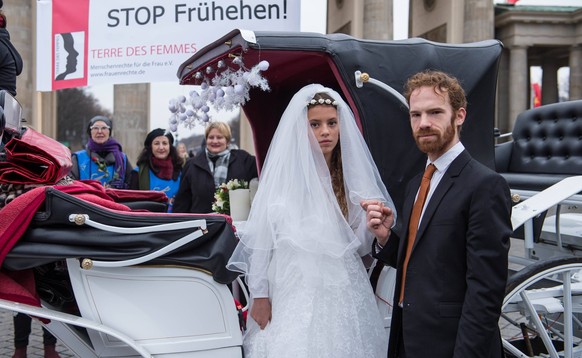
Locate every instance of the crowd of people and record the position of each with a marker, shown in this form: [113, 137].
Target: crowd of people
[321, 207]
[162, 165]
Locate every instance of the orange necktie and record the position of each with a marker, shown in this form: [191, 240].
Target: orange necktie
[414, 220]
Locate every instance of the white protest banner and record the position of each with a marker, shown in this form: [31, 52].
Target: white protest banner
[92, 42]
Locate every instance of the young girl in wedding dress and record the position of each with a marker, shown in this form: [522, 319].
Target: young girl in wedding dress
[301, 247]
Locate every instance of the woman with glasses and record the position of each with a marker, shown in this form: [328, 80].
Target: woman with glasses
[103, 158]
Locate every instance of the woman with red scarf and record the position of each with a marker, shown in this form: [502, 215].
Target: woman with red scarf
[103, 159]
[158, 166]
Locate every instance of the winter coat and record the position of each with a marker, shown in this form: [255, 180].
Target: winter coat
[10, 63]
[196, 192]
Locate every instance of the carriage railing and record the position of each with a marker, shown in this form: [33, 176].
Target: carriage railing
[363, 77]
[524, 213]
[66, 318]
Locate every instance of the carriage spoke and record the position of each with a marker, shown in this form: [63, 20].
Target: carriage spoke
[538, 323]
[540, 313]
[567, 300]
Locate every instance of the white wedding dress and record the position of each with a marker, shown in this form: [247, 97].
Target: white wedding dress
[298, 248]
[325, 316]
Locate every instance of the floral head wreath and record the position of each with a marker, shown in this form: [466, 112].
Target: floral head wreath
[322, 101]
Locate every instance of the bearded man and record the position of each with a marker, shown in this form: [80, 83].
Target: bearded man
[450, 248]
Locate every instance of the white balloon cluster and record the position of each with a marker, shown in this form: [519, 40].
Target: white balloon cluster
[224, 91]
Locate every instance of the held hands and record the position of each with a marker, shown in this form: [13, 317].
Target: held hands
[379, 219]
[261, 311]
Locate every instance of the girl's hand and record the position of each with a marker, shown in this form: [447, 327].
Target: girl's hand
[261, 311]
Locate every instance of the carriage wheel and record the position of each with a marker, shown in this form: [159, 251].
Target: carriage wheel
[542, 310]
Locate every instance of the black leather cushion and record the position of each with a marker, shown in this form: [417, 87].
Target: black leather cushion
[534, 182]
[51, 237]
[547, 142]
[152, 206]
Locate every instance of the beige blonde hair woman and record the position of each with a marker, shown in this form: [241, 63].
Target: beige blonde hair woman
[216, 165]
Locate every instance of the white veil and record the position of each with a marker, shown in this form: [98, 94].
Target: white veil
[295, 203]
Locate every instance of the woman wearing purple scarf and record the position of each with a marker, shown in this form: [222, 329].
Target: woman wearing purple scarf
[103, 159]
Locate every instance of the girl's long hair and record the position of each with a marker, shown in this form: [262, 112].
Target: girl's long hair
[336, 169]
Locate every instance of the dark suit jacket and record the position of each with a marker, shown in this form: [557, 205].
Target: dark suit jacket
[457, 271]
[196, 192]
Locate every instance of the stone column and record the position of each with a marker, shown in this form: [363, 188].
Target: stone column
[46, 122]
[378, 24]
[131, 120]
[575, 91]
[479, 21]
[518, 82]
[549, 81]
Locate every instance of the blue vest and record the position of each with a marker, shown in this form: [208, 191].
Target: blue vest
[88, 169]
[168, 187]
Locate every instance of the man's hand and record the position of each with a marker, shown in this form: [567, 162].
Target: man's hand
[379, 219]
[261, 311]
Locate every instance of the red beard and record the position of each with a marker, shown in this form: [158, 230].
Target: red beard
[436, 145]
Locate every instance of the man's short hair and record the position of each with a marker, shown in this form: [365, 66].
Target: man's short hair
[442, 83]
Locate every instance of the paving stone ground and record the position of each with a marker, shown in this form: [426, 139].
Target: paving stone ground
[35, 346]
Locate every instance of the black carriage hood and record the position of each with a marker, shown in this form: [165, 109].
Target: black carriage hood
[297, 59]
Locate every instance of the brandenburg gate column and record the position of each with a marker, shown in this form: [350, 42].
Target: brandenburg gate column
[478, 22]
[131, 104]
[549, 82]
[378, 20]
[518, 82]
[575, 72]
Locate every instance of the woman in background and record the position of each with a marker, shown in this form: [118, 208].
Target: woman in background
[183, 152]
[216, 165]
[103, 159]
[158, 166]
